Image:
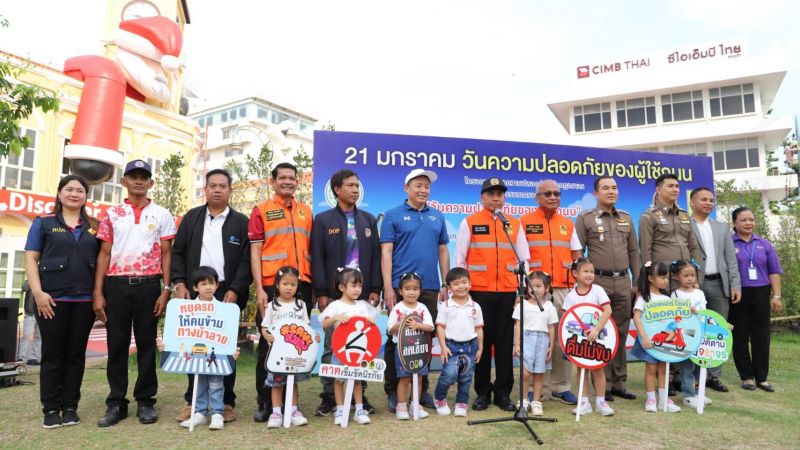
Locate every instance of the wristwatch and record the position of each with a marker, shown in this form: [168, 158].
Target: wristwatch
[169, 287]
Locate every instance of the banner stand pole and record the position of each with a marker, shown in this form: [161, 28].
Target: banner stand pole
[287, 410]
[415, 395]
[348, 397]
[194, 402]
[701, 390]
[580, 395]
[666, 386]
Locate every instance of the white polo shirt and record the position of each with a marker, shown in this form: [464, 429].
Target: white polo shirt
[460, 321]
[211, 253]
[135, 235]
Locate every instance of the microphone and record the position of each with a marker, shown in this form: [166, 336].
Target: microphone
[499, 214]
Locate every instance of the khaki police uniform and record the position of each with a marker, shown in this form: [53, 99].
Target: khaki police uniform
[665, 235]
[610, 241]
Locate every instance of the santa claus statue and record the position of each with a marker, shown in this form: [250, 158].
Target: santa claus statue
[147, 56]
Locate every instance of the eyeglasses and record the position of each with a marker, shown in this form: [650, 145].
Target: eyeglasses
[549, 194]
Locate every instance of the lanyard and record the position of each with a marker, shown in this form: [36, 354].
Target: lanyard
[752, 252]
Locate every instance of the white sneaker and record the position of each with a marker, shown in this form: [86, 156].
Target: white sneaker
[671, 407]
[421, 413]
[402, 414]
[691, 402]
[461, 410]
[536, 408]
[217, 422]
[441, 407]
[198, 419]
[650, 406]
[604, 409]
[298, 419]
[362, 417]
[585, 406]
[337, 418]
[275, 420]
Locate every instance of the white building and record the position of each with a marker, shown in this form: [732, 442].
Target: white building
[241, 127]
[711, 100]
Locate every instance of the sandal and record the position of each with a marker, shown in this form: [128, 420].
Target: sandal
[748, 386]
[766, 387]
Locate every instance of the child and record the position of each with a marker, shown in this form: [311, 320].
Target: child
[348, 288]
[285, 305]
[459, 328]
[539, 330]
[410, 285]
[653, 282]
[210, 388]
[586, 292]
[684, 275]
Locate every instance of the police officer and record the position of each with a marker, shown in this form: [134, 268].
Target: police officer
[604, 232]
[665, 230]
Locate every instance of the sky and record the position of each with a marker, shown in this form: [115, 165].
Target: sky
[465, 68]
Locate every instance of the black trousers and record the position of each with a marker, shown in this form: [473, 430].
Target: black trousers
[498, 332]
[131, 306]
[228, 381]
[430, 299]
[751, 322]
[264, 392]
[64, 339]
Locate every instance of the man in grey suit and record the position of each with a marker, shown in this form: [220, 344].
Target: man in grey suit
[719, 277]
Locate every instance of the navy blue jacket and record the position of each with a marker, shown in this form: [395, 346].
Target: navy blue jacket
[66, 265]
[329, 244]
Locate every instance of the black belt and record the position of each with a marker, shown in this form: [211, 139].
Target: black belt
[715, 276]
[612, 274]
[136, 280]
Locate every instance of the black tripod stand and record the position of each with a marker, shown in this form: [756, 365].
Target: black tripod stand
[520, 415]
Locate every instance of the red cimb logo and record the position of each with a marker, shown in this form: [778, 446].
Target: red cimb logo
[583, 72]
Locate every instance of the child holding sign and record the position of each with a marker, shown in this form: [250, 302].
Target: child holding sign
[285, 305]
[684, 275]
[539, 332]
[587, 292]
[653, 282]
[348, 288]
[410, 285]
[210, 388]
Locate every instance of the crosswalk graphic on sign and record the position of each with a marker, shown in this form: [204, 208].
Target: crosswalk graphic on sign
[176, 363]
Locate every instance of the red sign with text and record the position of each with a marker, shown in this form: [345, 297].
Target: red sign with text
[356, 342]
[34, 205]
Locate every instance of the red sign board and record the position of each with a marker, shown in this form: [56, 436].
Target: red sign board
[34, 205]
[573, 333]
[356, 342]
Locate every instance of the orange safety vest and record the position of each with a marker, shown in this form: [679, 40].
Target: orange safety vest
[490, 258]
[549, 243]
[287, 238]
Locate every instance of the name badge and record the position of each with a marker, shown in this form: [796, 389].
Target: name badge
[752, 273]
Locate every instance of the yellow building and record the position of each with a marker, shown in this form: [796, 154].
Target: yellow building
[28, 182]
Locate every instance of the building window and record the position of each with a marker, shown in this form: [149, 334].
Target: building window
[736, 154]
[233, 114]
[228, 133]
[16, 171]
[646, 149]
[263, 113]
[682, 106]
[233, 151]
[223, 117]
[732, 100]
[13, 271]
[592, 117]
[155, 164]
[278, 117]
[696, 149]
[243, 112]
[210, 121]
[636, 112]
[201, 122]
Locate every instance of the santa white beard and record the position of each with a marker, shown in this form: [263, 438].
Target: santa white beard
[145, 75]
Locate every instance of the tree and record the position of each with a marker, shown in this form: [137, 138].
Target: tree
[251, 179]
[787, 246]
[17, 102]
[305, 189]
[730, 196]
[168, 191]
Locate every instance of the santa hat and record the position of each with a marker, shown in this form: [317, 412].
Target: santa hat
[163, 34]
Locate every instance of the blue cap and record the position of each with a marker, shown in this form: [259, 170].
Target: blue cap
[138, 164]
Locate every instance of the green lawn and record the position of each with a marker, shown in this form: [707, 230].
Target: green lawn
[740, 419]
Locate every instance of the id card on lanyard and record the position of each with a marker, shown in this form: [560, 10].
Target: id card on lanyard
[752, 273]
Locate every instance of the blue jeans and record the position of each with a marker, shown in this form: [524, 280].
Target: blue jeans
[687, 368]
[460, 367]
[210, 390]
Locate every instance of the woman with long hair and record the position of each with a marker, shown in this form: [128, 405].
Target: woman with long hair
[60, 257]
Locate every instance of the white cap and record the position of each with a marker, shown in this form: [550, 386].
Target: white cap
[421, 173]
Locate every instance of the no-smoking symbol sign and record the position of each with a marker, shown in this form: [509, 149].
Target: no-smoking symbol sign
[356, 342]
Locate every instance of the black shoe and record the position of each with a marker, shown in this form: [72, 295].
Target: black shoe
[481, 403]
[262, 415]
[505, 404]
[70, 417]
[52, 419]
[609, 396]
[368, 406]
[716, 385]
[32, 362]
[113, 415]
[764, 386]
[623, 393]
[326, 406]
[426, 400]
[146, 414]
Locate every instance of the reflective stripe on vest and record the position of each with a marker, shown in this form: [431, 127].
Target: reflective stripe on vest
[490, 255]
[286, 230]
[275, 256]
[478, 268]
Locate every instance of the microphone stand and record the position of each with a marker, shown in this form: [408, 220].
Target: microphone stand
[521, 414]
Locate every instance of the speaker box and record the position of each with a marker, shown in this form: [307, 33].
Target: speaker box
[9, 320]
